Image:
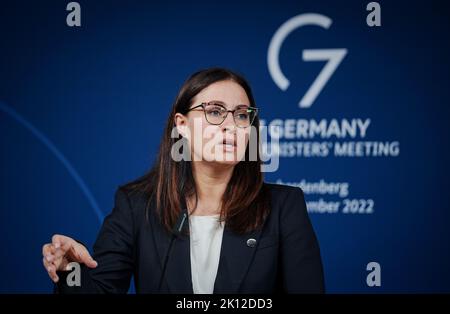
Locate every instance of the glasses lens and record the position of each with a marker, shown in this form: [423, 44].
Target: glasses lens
[244, 117]
[214, 113]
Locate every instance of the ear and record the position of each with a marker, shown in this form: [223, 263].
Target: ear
[181, 124]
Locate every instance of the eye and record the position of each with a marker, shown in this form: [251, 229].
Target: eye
[242, 114]
[214, 111]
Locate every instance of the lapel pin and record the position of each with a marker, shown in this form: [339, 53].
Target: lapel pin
[251, 242]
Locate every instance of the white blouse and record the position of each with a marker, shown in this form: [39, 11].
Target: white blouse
[205, 242]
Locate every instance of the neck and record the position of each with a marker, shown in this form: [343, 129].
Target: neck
[211, 181]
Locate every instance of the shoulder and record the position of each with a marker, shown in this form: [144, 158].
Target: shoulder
[286, 201]
[132, 200]
[281, 188]
[281, 192]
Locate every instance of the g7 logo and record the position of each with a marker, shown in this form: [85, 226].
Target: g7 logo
[333, 56]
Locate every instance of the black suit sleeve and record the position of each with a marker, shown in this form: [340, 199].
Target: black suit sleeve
[300, 254]
[113, 251]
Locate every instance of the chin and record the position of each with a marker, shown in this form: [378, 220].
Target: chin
[226, 162]
[229, 158]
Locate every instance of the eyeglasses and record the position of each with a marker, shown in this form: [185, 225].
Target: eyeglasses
[216, 113]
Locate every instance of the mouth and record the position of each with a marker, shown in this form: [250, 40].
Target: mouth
[229, 144]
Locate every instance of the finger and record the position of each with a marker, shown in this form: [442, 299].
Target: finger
[52, 254]
[60, 240]
[84, 256]
[63, 248]
[58, 260]
[46, 248]
[59, 253]
[51, 269]
[48, 252]
[45, 263]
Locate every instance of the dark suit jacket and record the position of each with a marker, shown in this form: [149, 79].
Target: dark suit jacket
[286, 257]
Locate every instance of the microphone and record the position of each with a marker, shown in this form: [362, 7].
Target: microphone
[176, 231]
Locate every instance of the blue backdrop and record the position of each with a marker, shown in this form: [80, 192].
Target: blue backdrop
[82, 110]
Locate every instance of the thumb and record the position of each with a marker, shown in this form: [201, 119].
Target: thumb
[84, 256]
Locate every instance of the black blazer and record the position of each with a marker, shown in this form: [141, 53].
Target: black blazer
[286, 257]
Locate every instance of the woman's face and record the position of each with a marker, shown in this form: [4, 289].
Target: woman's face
[224, 143]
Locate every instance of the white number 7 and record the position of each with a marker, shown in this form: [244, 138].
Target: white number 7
[334, 58]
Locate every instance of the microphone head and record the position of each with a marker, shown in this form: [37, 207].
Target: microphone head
[180, 223]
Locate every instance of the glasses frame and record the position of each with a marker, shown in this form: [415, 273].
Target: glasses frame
[216, 103]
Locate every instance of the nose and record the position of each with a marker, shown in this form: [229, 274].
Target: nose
[228, 123]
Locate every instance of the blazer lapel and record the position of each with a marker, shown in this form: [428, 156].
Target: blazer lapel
[235, 259]
[178, 278]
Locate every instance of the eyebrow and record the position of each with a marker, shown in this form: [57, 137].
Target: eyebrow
[224, 104]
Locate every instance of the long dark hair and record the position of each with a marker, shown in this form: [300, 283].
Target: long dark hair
[245, 203]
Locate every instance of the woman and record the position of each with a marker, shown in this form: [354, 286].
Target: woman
[202, 220]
